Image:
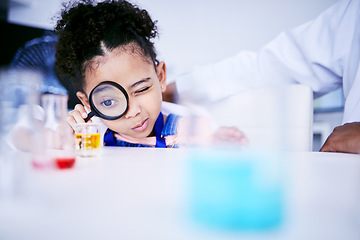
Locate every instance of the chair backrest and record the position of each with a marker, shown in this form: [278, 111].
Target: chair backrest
[270, 116]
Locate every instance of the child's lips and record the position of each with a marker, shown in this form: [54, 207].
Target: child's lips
[142, 126]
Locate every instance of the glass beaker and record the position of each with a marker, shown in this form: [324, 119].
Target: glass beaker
[87, 139]
[242, 187]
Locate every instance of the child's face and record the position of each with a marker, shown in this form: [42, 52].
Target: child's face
[142, 83]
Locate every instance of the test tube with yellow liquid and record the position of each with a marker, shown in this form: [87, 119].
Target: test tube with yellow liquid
[87, 139]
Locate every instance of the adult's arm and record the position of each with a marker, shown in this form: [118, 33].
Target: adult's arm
[311, 54]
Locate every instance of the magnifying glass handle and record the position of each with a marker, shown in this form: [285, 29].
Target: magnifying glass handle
[90, 115]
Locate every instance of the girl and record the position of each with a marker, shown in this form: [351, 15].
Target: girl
[111, 41]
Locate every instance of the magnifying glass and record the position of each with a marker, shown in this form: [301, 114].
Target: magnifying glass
[108, 100]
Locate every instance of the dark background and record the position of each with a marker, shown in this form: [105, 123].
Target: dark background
[14, 36]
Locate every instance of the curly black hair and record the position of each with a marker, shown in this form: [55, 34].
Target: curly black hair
[86, 27]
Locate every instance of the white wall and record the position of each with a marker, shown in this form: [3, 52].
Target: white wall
[194, 33]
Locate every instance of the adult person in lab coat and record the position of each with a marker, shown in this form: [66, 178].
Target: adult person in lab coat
[323, 53]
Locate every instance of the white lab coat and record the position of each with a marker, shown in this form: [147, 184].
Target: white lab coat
[323, 53]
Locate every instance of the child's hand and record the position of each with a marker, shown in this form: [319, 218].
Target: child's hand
[230, 135]
[199, 131]
[77, 116]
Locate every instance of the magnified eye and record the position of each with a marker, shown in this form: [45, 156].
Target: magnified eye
[108, 102]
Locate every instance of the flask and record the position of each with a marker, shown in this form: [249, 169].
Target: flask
[55, 141]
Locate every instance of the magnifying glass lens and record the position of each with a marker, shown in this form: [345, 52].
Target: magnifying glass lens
[109, 101]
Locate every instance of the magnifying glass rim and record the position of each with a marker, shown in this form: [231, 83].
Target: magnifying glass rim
[97, 112]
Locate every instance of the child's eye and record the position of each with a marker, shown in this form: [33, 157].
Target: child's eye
[142, 90]
[108, 103]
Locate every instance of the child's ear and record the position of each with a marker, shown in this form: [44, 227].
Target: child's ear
[161, 74]
[83, 98]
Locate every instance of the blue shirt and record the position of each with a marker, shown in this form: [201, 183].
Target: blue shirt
[161, 130]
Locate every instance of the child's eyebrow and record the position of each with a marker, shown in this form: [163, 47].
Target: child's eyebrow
[140, 82]
[101, 89]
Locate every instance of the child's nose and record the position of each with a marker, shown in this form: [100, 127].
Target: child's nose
[133, 110]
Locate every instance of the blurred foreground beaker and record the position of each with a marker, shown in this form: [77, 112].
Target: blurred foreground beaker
[19, 105]
[231, 189]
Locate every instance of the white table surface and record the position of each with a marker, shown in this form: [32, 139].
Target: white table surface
[139, 193]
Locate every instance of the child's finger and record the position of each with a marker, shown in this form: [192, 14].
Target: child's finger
[230, 134]
[80, 108]
[71, 121]
[77, 116]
